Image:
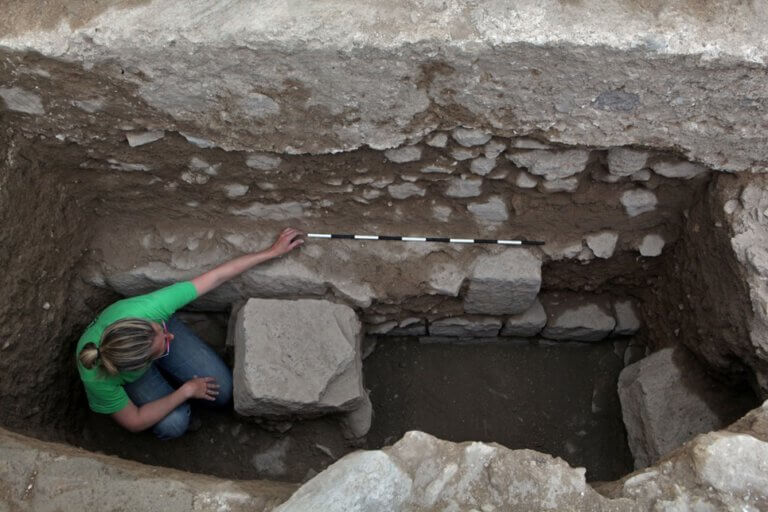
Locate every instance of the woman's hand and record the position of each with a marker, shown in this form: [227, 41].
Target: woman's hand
[288, 240]
[204, 388]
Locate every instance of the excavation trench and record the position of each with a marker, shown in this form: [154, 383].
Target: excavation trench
[84, 236]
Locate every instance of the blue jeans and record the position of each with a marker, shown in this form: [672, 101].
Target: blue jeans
[189, 357]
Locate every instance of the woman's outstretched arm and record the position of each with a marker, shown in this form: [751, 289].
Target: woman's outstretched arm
[288, 240]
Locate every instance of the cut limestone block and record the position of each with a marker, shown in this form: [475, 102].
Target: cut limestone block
[297, 358]
[577, 319]
[465, 326]
[528, 323]
[667, 399]
[503, 284]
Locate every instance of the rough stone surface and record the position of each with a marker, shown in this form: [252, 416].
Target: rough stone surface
[45, 477]
[465, 326]
[666, 399]
[627, 321]
[296, 358]
[438, 140]
[528, 323]
[404, 154]
[19, 100]
[469, 137]
[525, 180]
[494, 148]
[638, 201]
[602, 244]
[482, 166]
[577, 319]
[420, 472]
[552, 165]
[464, 187]
[678, 169]
[626, 161]
[503, 284]
[492, 211]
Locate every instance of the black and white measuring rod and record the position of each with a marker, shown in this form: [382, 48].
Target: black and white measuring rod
[443, 239]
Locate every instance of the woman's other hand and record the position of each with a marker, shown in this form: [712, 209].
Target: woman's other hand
[204, 388]
[288, 240]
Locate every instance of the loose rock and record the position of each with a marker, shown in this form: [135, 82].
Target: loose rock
[263, 161]
[482, 166]
[627, 321]
[139, 139]
[552, 165]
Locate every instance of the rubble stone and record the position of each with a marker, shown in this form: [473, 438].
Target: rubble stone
[552, 165]
[528, 323]
[602, 244]
[626, 161]
[464, 187]
[678, 169]
[469, 137]
[465, 326]
[404, 154]
[587, 321]
[638, 201]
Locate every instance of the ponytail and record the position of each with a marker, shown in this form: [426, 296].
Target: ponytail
[126, 345]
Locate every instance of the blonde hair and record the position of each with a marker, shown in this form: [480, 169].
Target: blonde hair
[126, 345]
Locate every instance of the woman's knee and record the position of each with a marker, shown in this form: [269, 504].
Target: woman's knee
[225, 391]
[174, 424]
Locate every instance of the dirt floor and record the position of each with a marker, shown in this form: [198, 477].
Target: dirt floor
[556, 398]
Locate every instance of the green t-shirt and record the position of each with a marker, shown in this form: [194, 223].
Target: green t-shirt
[105, 392]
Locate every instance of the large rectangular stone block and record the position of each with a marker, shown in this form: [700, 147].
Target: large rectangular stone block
[503, 284]
[297, 358]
